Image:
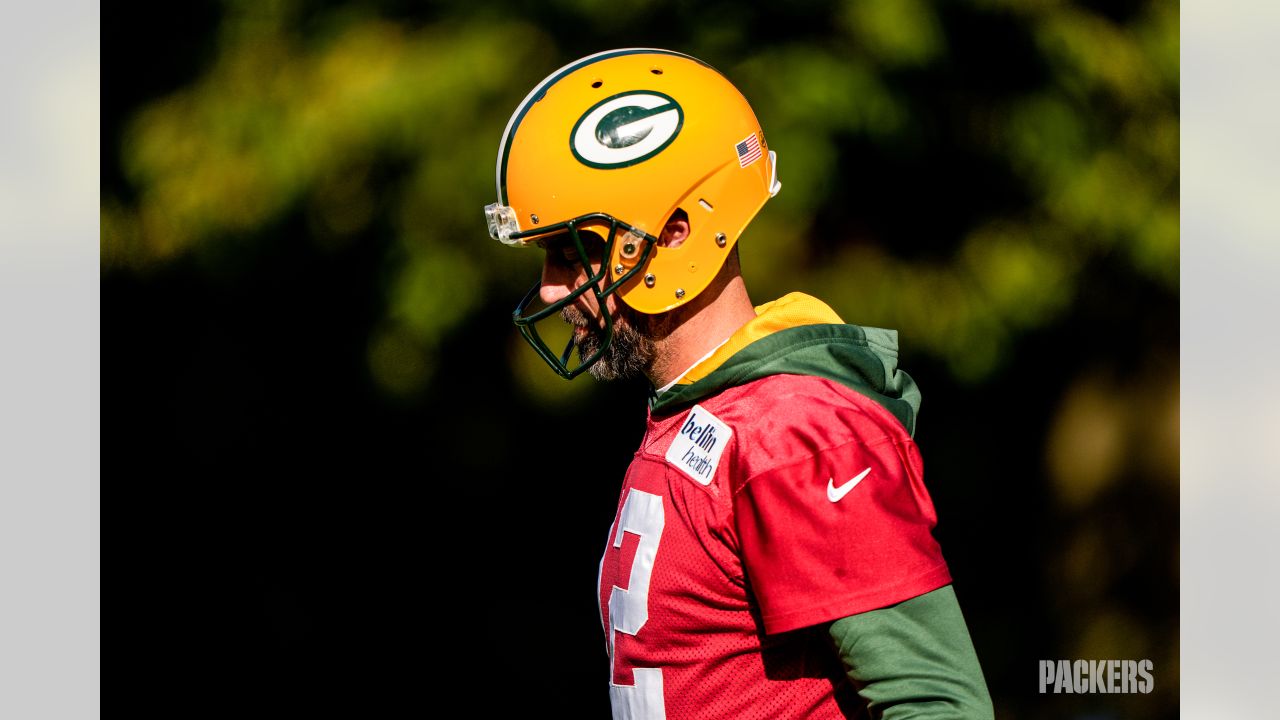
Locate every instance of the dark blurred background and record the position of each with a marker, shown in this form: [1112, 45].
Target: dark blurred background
[351, 487]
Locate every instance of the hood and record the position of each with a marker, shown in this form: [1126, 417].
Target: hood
[800, 335]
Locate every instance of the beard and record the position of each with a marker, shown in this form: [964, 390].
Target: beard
[631, 352]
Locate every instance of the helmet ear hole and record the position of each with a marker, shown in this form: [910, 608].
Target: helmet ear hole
[676, 230]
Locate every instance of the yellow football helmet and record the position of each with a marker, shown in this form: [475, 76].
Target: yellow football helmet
[614, 144]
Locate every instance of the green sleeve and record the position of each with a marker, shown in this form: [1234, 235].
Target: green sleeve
[914, 660]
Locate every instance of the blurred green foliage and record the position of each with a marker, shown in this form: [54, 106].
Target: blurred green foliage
[289, 115]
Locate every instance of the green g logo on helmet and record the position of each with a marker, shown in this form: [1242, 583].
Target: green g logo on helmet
[626, 129]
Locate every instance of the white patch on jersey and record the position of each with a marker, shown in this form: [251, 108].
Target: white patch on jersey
[697, 448]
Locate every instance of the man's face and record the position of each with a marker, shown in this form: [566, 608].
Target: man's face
[632, 349]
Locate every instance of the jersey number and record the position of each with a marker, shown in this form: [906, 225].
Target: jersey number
[642, 515]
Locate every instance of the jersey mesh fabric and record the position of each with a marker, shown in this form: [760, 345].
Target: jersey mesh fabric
[764, 529]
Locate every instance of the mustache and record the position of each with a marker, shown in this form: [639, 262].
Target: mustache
[574, 316]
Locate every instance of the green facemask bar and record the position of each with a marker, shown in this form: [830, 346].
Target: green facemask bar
[593, 283]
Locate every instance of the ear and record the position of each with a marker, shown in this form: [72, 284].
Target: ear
[675, 231]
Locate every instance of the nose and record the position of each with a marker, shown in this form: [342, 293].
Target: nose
[557, 281]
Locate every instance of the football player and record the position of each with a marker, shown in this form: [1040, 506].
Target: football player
[772, 553]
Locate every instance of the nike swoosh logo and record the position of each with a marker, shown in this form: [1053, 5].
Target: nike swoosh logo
[834, 494]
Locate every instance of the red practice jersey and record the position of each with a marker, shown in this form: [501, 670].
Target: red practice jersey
[746, 523]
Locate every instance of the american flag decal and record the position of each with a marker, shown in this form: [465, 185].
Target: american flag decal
[748, 150]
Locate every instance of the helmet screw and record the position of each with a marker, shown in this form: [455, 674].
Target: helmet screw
[720, 239]
[649, 280]
[679, 293]
[534, 218]
[628, 249]
[617, 269]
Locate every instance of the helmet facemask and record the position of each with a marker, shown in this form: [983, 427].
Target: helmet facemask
[596, 282]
